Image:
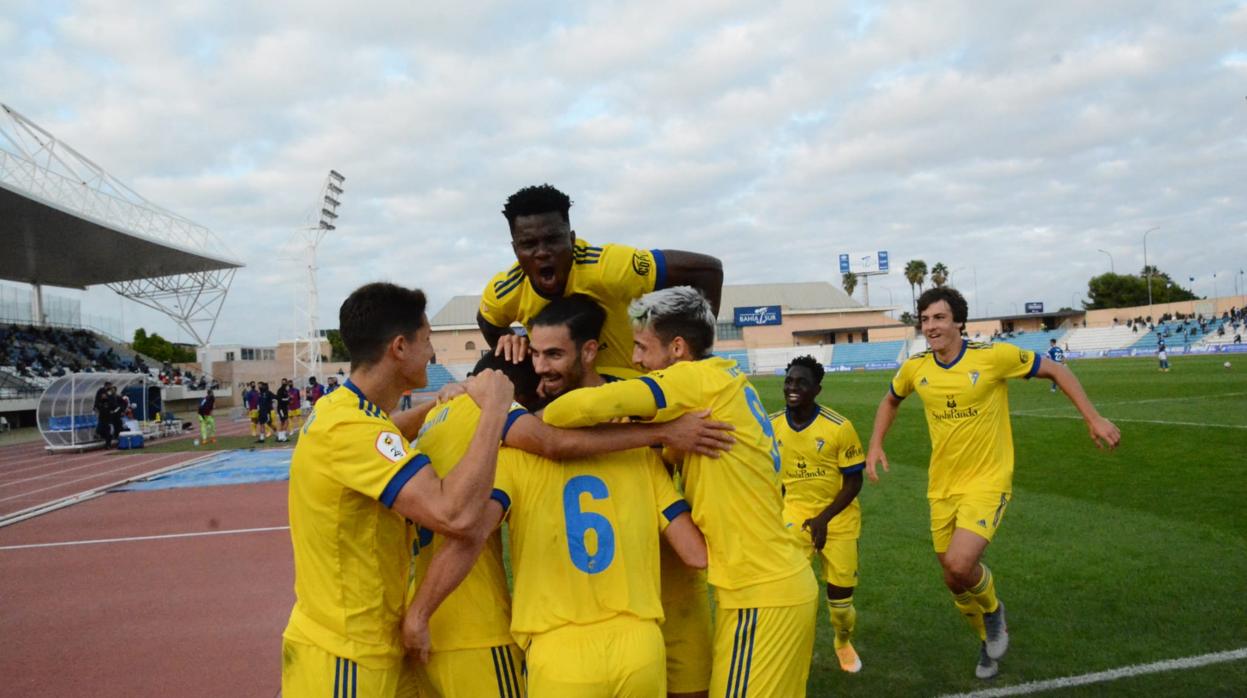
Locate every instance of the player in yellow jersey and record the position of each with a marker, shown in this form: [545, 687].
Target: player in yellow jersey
[354, 483]
[964, 394]
[584, 551]
[551, 262]
[766, 593]
[464, 652]
[822, 469]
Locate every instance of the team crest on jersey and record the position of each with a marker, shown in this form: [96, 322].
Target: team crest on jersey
[923, 381]
[820, 443]
[974, 377]
[640, 263]
[390, 445]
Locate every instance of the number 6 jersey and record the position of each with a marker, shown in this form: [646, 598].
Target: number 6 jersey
[584, 536]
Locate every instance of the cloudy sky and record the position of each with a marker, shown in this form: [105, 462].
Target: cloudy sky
[1009, 140]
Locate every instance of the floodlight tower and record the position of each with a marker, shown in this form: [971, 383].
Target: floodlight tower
[307, 348]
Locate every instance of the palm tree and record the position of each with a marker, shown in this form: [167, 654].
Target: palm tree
[939, 274]
[849, 281]
[915, 274]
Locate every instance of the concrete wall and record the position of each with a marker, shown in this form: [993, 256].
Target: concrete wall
[1210, 307]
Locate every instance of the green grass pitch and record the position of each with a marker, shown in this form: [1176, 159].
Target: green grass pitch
[1105, 560]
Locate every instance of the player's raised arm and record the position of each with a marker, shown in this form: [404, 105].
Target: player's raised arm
[884, 416]
[700, 271]
[453, 506]
[1104, 433]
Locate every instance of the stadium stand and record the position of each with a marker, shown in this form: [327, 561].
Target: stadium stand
[1036, 341]
[776, 359]
[866, 353]
[439, 376]
[1175, 334]
[1091, 340]
[740, 356]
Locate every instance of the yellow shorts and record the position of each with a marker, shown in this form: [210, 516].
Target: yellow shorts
[977, 512]
[622, 656]
[686, 632]
[473, 673]
[763, 651]
[838, 557]
[307, 670]
[253, 415]
[296, 412]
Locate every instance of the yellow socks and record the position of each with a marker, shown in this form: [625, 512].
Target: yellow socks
[973, 614]
[985, 592]
[843, 618]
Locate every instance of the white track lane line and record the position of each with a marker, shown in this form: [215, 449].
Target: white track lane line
[1110, 675]
[88, 477]
[128, 539]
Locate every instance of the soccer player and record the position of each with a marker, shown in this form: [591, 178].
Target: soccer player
[822, 469]
[585, 554]
[1162, 355]
[1057, 354]
[564, 343]
[552, 262]
[251, 398]
[207, 423]
[767, 596]
[296, 406]
[354, 483]
[964, 394]
[315, 391]
[283, 410]
[264, 411]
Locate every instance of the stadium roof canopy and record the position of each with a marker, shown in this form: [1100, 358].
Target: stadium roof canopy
[804, 297]
[64, 221]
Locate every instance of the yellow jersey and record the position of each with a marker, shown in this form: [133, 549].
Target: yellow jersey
[736, 499]
[612, 275]
[478, 612]
[584, 536]
[815, 458]
[967, 407]
[351, 551]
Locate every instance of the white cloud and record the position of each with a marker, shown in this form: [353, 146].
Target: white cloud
[1008, 141]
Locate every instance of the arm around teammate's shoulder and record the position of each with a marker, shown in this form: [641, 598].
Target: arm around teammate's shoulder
[454, 506]
[588, 406]
[687, 541]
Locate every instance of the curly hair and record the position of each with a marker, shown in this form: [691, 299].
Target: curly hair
[533, 201]
[816, 368]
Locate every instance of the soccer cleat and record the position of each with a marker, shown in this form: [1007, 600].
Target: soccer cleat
[987, 668]
[997, 632]
[849, 661]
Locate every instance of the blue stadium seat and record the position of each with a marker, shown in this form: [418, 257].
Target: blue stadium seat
[438, 377]
[740, 356]
[865, 353]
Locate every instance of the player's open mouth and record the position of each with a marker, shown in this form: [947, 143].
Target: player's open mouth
[546, 275]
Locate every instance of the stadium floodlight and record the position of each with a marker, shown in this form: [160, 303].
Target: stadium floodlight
[1111, 268]
[307, 347]
[1147, 270]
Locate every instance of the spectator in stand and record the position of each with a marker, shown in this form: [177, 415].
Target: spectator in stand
[207, 423]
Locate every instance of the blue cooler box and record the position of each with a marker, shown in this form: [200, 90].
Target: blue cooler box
[130, 439]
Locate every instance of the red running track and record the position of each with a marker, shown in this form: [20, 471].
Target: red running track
[191, 615]
[30, 476]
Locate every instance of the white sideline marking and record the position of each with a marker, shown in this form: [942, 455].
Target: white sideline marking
[1140, 402]
[137, 538]
[1143, 421]
[1110, 675]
